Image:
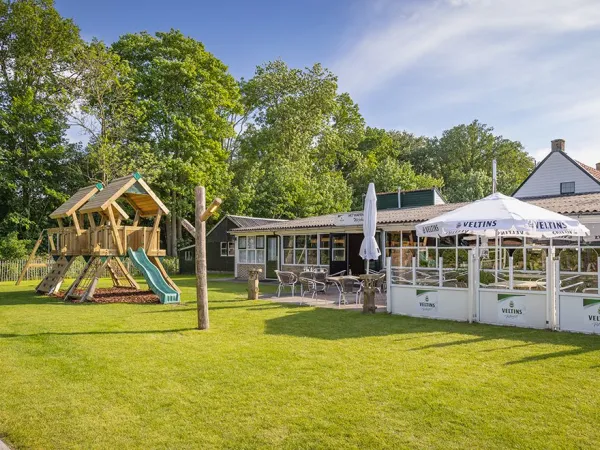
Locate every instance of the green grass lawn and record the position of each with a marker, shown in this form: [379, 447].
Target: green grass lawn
[266, 375]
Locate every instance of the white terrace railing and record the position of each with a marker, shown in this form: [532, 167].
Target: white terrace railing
[11, 269]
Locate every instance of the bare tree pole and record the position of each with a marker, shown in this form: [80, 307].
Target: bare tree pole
[201, 281]
[202, 215]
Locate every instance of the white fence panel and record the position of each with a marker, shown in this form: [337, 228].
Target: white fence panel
[513, 307]
[579, 312]
[431, 302]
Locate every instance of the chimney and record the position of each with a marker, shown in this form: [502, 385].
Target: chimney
[558, 145]
[597, 166]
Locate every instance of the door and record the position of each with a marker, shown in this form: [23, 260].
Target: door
[355, 263]
[338, 261]
[272, 257]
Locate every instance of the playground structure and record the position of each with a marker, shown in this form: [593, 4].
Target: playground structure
[91, 224]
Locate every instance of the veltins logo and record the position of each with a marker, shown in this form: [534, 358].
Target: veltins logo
[427, 299]
[511, 308]
[593, 318]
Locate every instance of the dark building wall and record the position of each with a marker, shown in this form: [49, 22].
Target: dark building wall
[389, 200]
[214, 260]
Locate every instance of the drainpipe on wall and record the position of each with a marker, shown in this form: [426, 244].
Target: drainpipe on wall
[399, 197]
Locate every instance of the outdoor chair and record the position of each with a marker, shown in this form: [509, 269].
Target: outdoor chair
[321, 277]
[310, 286]
[307, 274]
[345, 286]
[286, 279]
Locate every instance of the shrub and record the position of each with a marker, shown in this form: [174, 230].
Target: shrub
[11, 247]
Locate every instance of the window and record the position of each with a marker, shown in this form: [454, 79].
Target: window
[228, 248]
[188, 255]
[302, 249]
[567, 188]
[324, 241]
[338, 253]
[251, 249]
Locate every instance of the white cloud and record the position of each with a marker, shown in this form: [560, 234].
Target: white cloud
[530, 64]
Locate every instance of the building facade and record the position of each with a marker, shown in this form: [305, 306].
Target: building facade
[220, 245]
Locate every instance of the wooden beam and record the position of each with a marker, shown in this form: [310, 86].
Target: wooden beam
[136, 219]
[211, 209]
[189, 227]
[31, 257]
[115, 233]
[91, 220]
[160, 204]
[76, 223]
[51, 242]
[60, 222]
[154, 229]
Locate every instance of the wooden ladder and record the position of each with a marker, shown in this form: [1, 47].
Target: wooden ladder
[120, 275]
[51, 283]
[88, 279]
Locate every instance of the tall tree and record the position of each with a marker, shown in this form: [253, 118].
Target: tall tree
[382, 161]
[188, 96]
[36, 51]
[106, 111]
[299, 136]
[470, 149]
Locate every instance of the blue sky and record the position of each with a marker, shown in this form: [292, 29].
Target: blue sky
[529, 68]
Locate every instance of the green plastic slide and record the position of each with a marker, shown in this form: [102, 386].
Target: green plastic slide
[153, 277]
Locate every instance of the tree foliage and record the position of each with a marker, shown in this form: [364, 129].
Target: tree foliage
[36, 161]
[107, 112]
[467, 151]
[283, 144]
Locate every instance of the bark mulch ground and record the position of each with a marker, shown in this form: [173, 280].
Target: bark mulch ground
[120, 295]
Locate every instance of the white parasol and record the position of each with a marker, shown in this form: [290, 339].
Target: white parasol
[500, 215]
[369, 248]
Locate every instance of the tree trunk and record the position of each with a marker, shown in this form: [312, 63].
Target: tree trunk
[179, 229]
[168, 235]
[174, 226]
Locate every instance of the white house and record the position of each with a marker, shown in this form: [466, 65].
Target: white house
[559, 174]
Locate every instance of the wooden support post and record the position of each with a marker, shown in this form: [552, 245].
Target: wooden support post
[154, 229]
[113, 228]
[76, 223]
[31, 257]
[51, 242]
[136, 219]
[201, 276]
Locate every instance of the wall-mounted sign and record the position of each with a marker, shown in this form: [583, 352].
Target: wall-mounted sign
[427, 301]
[348, 219]
[511, 308]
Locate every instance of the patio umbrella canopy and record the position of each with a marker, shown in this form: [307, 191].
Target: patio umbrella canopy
[500, 215]
[369, 248]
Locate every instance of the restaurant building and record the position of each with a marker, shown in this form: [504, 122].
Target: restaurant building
[558, 183]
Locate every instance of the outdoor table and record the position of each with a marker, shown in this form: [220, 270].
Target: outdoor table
[343, 277]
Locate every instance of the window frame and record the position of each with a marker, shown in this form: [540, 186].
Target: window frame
[564, 184]
[252, 251]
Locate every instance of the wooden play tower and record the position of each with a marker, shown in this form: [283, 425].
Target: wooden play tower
[93, 225]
